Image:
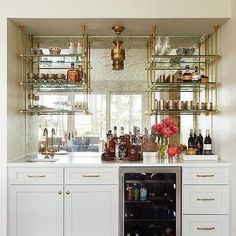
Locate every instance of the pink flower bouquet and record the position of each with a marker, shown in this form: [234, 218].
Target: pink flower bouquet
[167, 128]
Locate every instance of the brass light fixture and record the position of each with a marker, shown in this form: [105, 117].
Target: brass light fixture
[117, 53]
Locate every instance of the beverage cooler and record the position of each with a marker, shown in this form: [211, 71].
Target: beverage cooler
[150, 201]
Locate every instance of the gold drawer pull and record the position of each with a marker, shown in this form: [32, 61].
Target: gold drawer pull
[36, 176]
[205, 228]
[91, 176]
[205, 176]
[205, 199]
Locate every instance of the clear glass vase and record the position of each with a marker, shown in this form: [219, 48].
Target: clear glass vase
[163, 146]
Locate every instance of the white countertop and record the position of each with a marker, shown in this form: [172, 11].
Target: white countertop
[93, 159]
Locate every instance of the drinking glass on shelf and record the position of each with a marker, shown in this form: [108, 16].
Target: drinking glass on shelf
[166, 46]
[158, 45]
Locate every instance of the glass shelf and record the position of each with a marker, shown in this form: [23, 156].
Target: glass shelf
[50, 55]
[56, 86]
[54, 112]
[182, 60]
[215, 57]
[182, 87]
[50, 63]
[182, 112]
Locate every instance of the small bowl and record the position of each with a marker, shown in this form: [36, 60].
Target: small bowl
[181, 51]
[54, 50]
[60, 76]
[50, 76]
[190, 51]
[41, 76]
[31, 75]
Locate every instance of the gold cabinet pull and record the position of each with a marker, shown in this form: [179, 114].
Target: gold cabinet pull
[205, 228]
[36, 176]
[205, 199]
[206, 176]
[59, 192]
[91, 176]
[68, 192]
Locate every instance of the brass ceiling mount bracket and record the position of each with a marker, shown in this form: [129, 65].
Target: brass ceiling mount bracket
[118, 29]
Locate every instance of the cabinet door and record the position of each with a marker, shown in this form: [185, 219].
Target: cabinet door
[36, 210]
[91, 210]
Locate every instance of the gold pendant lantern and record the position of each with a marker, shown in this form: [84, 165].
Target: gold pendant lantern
[118, 53]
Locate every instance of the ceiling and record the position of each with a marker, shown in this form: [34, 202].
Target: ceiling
[102, 26]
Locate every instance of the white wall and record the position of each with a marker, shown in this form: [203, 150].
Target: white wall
[225, 123]
[117, 9]
[16, 121]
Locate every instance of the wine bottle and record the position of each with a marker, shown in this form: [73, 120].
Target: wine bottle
[191, 142]
[207, 143]
[199, 143]
[115, 131]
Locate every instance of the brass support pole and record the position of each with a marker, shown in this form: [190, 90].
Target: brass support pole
[216, 28]
[31, 45]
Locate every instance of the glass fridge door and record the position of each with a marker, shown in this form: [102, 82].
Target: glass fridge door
[151, 201]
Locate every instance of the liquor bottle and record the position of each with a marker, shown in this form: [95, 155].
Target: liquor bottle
[195, 137]
[117, 145]
[196, 76]
[122, 131]
[187, 75]
[122, 148]
[199, 143]
[115, 131]
[129, 195]
[72, 74]
[180, 77]
[110, 144]
[191, 140]
[207, 143]
[135, 192]
[143, 193]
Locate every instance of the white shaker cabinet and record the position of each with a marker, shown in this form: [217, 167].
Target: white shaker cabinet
[36, 210]
[47, 202]
[91, 210]
[91, 201]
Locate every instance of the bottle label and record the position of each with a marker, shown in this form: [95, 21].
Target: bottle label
[207, 147]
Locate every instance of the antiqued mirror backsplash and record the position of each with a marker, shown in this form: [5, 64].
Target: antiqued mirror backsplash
[116, 98]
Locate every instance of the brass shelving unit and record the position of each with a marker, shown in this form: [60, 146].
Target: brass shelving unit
[206, 57]
[37, 63]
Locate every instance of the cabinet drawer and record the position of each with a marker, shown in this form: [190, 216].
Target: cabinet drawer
[205, 175]
[202, 199]
[200, 225]
[91, 175]
[35, 175]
